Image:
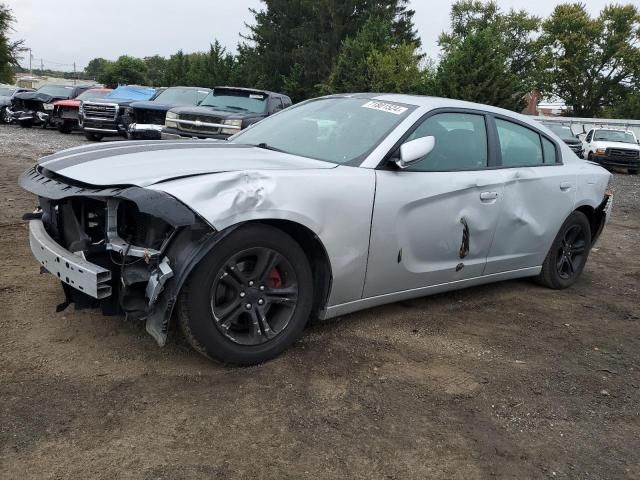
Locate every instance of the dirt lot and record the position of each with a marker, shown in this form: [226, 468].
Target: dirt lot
[504, 381]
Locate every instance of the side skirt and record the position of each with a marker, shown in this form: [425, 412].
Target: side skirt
[345, 308]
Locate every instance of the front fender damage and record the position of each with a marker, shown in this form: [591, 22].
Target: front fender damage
[187, 249]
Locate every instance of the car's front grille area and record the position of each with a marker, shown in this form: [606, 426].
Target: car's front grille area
[188, 127]
[100, 111]
[154, 117]
[623, 154]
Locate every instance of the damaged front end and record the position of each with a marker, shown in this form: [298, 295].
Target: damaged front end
[30, 112]
[123, 249]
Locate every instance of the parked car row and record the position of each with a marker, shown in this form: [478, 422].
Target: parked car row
[139, 112]
[607, 146]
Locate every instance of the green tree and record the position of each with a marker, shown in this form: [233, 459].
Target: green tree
[96, 67]
[156, 68]
[372, 61]
[489, 56]
[9, 51]
[124, 71]
[478, 72]
[296, 42]
[591, 63]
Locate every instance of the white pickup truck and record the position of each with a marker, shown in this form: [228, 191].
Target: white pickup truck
[612, 148]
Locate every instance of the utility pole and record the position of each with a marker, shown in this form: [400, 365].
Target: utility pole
[41, 66]
[74, 73]
[30, 58]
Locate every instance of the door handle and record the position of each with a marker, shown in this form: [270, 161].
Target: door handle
[565, 186]
[484, 196]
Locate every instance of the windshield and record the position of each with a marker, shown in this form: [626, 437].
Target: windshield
[6, 92]
[562, 131]
[182, 96]
[336, 129]
[236, 101]
[615, 136]
[56, 90]
[93, 94]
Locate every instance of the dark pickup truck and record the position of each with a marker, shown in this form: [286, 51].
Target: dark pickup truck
[34, 108]
[145, 120]
[225, 112]
[104, 117]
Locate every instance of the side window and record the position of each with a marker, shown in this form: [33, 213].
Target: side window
[461, 142]
[549, 151]
[519, 145]
[286, 101]
[276, 105]
[589, 136]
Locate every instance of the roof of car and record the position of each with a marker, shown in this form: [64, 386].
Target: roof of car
[256, 90]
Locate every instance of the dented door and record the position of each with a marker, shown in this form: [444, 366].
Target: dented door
[430, 228]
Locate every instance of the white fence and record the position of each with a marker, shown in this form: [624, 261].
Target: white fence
[583, 125]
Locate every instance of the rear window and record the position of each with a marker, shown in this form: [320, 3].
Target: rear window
[519, 146]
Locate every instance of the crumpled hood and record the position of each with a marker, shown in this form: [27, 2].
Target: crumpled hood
[40, 97]
[605, 144]
[145, 163]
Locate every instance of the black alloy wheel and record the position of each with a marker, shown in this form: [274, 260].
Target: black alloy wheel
[254, 296]
[249, 298]
[568, 254]
[570, 257]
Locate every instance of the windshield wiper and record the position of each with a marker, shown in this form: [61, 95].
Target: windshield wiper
[269, 147]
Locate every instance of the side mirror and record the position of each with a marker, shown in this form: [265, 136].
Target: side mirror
[415, 150]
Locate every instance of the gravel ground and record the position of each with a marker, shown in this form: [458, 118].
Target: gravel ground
[509, 380]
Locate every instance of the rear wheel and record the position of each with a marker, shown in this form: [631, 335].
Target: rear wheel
[568, 254]
[64, 128]
[26, 123]
[633, 171]
[93, 137]
[249, 299]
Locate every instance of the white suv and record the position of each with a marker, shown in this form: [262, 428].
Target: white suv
[613, 148]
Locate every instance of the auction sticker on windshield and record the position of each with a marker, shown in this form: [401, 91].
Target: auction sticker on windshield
[385, 107]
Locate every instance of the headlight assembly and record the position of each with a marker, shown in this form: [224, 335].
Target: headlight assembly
[235, 127]
[170, 120]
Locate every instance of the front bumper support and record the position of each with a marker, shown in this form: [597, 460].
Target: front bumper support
[71, 269]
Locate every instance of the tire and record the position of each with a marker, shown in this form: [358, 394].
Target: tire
[64, 128]
[568, 253]
[93, 137]
[219, 310]
[590, 156]
[4, 116]
[633, 171]
[26, 124]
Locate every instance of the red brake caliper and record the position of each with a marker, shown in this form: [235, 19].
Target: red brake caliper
[275, 280]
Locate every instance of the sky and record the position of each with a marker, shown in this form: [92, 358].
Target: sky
[61, 32]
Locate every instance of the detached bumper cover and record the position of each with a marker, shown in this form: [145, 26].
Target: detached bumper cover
[68, 267]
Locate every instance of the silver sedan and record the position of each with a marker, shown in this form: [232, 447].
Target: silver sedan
[334, 205]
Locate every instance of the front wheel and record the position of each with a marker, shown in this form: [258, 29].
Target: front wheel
[633, 171]
[249, 299]
[92, 137]
[5, 117]
[568, 254]
[26, 123]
